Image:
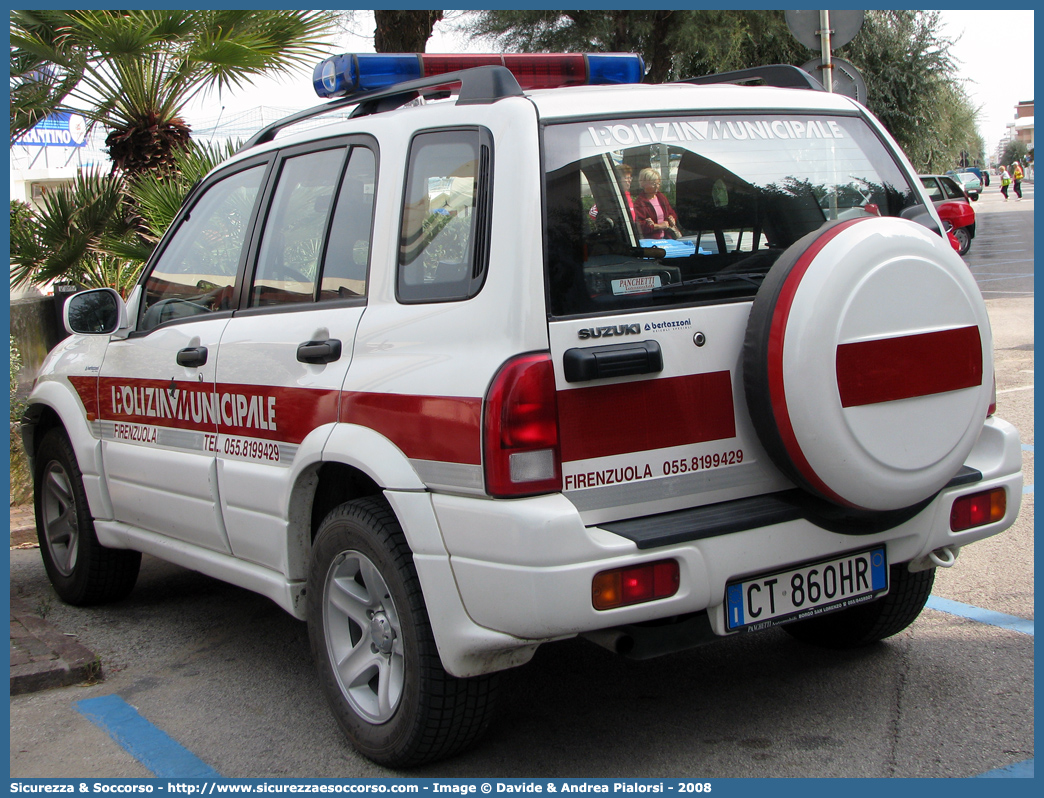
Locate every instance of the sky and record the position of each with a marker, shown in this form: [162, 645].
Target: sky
[994, 49]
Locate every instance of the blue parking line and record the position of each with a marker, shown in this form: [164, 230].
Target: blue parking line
[1027, 447]
[980, 615]
[1027, 489]
[1019, 770]
[153, 748]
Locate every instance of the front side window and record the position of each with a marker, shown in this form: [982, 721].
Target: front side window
[444, 234]
[195, 273]
[651, 212]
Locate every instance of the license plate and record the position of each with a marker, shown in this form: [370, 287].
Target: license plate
[759, 602]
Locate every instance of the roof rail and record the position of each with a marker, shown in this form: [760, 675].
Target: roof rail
[478, 86]
[781, 76]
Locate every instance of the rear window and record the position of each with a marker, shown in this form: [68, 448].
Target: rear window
[652, 212]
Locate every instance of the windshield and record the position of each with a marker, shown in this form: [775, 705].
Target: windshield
[648, 212]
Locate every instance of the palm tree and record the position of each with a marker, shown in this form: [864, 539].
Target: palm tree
[100, 230]
[135, 71]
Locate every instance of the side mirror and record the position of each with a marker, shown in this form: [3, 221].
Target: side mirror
[98, 312]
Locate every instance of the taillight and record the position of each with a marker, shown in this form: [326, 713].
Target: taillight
[520, 429]
[635, 585]
[993, 399]
[978, 509]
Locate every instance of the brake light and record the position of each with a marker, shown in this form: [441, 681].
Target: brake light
[349, 73]
[520, 429]
[978, 509]
[635, 585]
[992, 410]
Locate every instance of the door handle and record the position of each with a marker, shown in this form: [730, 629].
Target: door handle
[319, 351]
[616, 360]
[192, 356]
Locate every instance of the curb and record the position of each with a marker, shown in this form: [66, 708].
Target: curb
[42, 657]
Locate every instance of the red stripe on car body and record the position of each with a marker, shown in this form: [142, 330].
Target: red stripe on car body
[907, 366]
[437, 428]
[441, 428]
[606, 420]
[257, 411]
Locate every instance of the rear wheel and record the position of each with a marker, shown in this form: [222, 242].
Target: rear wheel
[867, 623]
[374, 648]
[81, 570]
[963, 238]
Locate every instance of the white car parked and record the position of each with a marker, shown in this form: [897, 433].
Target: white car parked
[394, 374]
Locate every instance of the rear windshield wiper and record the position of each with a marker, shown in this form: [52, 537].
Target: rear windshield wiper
[754, 278]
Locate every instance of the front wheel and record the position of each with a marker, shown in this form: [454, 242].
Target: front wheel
[867, 623]
[81, 570]
[374, 648]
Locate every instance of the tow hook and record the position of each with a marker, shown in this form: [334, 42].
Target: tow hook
[943, 557]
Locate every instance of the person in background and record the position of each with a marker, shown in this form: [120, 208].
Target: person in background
[1005, 177]
[1016, 178]
[653, 212]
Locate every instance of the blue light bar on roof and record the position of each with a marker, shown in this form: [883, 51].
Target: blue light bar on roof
[349, 73]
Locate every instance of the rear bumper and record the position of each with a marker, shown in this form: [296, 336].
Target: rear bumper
[524, 567]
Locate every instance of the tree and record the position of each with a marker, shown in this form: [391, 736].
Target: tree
[1015, 151]
[70, 237]
[675, 44]
[403, 31]
[914, 86]
[913, 80]
[135, 71]
[101, 230]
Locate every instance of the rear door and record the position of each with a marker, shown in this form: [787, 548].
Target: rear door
[284, 356]
[647, 324]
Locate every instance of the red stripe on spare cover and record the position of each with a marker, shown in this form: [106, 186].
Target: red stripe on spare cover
[777, 334]
[606, 420]
[869, 372]
[442, 428]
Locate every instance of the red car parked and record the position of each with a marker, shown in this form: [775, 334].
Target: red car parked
[955, 209]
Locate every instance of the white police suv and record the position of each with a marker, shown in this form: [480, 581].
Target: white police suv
[495, 358]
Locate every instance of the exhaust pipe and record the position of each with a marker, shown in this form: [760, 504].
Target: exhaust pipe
[655, 638]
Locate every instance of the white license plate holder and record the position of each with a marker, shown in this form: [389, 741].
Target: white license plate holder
[769, 599]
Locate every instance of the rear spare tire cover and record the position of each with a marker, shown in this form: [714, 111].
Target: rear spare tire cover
[867, 363]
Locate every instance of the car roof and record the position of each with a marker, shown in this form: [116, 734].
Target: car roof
[593, 101]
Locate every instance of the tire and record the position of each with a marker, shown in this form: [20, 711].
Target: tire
[963, 238]
[82, 571]
[861, 400]
[868, 623]
[390, 694]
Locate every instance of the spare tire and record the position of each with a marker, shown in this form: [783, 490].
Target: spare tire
[867, 363]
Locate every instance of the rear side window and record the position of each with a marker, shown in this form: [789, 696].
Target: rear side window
[444, 235]
[292, 244]
[348, 250]
[196, 272]
[657, 211]
[316, 240]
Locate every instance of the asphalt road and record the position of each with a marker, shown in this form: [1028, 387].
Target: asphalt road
[229, 675]
[1001, 254]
